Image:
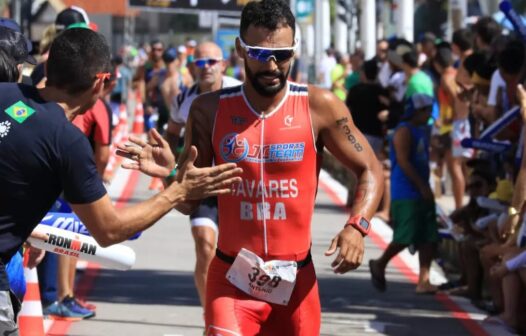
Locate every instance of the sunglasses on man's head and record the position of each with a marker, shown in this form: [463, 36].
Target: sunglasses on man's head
[265, 54]
[105, 76]
[203, 62]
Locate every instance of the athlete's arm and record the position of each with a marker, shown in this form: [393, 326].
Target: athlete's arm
[109, 225]
[334, 129]
[198, 133]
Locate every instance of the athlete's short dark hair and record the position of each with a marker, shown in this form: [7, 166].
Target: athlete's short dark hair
[8, 68]
[76, 56]
[463, 39]
[270, 14]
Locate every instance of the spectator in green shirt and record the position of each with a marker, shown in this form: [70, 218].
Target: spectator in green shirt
[417, 80]
[338, 75]
[357, 60]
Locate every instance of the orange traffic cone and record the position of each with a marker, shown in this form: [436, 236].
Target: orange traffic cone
[119, 135]
[123, 121]
[30, 318]
[138, 120]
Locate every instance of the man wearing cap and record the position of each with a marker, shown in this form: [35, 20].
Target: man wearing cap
[412, 202]
[43, 154]
[208, 67]
[15, 43]
[70, 16]
[172, 82]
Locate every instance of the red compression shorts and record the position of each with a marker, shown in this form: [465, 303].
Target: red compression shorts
[231, 312]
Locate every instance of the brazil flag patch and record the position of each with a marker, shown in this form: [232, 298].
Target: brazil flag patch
[19, 111]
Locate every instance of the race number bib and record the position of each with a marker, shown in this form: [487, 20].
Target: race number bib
[271, 281]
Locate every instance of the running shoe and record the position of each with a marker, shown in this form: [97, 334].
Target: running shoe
[84, 304]
[71, 304]
[58, 311]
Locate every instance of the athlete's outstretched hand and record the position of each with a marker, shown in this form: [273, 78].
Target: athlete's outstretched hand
[198, 183]
[348, 244]
[153, 158]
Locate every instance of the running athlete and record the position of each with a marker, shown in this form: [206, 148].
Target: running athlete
[262, 280]
[208, 67]
[43, 154]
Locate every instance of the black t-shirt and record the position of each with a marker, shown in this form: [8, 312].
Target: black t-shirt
[38, 73]
[364, 102]
[42, 154]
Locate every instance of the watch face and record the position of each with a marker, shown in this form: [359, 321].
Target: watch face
[364, 223]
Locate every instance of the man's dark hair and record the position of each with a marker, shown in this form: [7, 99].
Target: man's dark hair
[117, 60]
[428, 37]
[156, 41]
[358, 52]
[8, 69]
[14, 44]
[370, 69]
[411, 58]
[76, 56]
[338, 56]
[463, 39]
[270, 14]
[443, 57]
[487, 29]
[511, 59]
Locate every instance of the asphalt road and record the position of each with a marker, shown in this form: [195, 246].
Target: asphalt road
[157, 297]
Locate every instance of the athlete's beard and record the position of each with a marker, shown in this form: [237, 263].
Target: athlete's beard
[264, 90]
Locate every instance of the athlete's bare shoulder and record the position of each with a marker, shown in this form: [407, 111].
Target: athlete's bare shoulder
[325, 107]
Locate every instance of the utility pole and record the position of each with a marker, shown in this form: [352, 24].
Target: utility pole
[341, 26]
[322, 18]
[368, 27]
[405, 19]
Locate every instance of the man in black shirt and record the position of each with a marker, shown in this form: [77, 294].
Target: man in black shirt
[368, 102]
[43, 154]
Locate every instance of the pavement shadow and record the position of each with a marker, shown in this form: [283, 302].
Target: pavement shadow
[145, 287]
[398, 311]
[327, 208]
